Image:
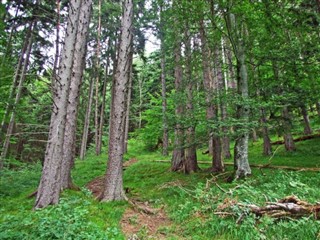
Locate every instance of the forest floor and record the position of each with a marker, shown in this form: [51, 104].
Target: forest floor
[139, 216]
[167, 205]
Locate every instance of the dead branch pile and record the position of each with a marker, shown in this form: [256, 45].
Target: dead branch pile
[288, 207]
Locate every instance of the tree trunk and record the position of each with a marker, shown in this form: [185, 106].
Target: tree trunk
[97, 69]
[190, 164]
[267, 148]
[18, 93]
[57, 51]
[16, 78]
[86, 125]
[126, 130]
[103, 104]
[114, 182]
[69, 142]
[307, 126]
[178, 152]
[212, 109]
[236, 34]
[50, 183]
[287, 136]
[165, 135]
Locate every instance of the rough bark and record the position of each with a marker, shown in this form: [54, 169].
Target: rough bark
[57, 50]
[126, 130]
[215, 147]
[22, 78]
[178, 152]
[219, 88]
[86, 125]
[50, 183]
[237, 35]
[165, 135]
[190, 163]
[287, 136]
[223, 105]
[103, 104]
[114, 181]
[69, 142]
[97, 69]
[16, 78]
[307, 126]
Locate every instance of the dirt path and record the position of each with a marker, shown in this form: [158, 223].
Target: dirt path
[140, 220]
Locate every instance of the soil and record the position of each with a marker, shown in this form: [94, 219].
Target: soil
[140, 220]
[136, 224]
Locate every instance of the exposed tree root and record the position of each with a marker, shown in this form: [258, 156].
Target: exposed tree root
[142, 207]
[299, 139]
[259, 166]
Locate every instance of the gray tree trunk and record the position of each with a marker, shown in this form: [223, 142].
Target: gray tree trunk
[50, 182]
[22, 78]
[113, 189]
[103, 104]
[307, 126]
[86, 125]
[57, 49]
[190, 164]
[237, 34]
[126, 130]
[97, 69]
[287, 136]
[210, 86]
[165, 135]
[69, 142]
[178, 151]
[16, 78]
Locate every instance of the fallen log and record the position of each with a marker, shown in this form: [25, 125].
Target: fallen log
[290, 206]
[299, 139]
[258, 166]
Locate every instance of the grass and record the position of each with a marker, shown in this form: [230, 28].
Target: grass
[188, 200]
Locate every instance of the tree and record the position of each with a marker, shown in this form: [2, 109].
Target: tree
[237, 34]
[51, 179]
[113, 189]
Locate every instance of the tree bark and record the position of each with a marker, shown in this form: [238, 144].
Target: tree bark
[127, 124]
[236, 34]
[69, 142]
[57, 50]
[210, 87]
[114, 182]
[165, 135]
[178, 152]
[18, 93]
[103, 104]
[287, 136]
[50, 183]
[16, 78]
[86, 125]
[97, 69]
[190, 163]
[307, 126]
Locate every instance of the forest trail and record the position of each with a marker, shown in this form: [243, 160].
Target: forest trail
[140, 218]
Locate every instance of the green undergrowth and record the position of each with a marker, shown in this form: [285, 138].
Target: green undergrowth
[189, 200]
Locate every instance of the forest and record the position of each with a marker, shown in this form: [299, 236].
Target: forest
[160, 119]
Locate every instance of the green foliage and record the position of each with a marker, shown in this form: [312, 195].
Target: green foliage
[68, 220]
